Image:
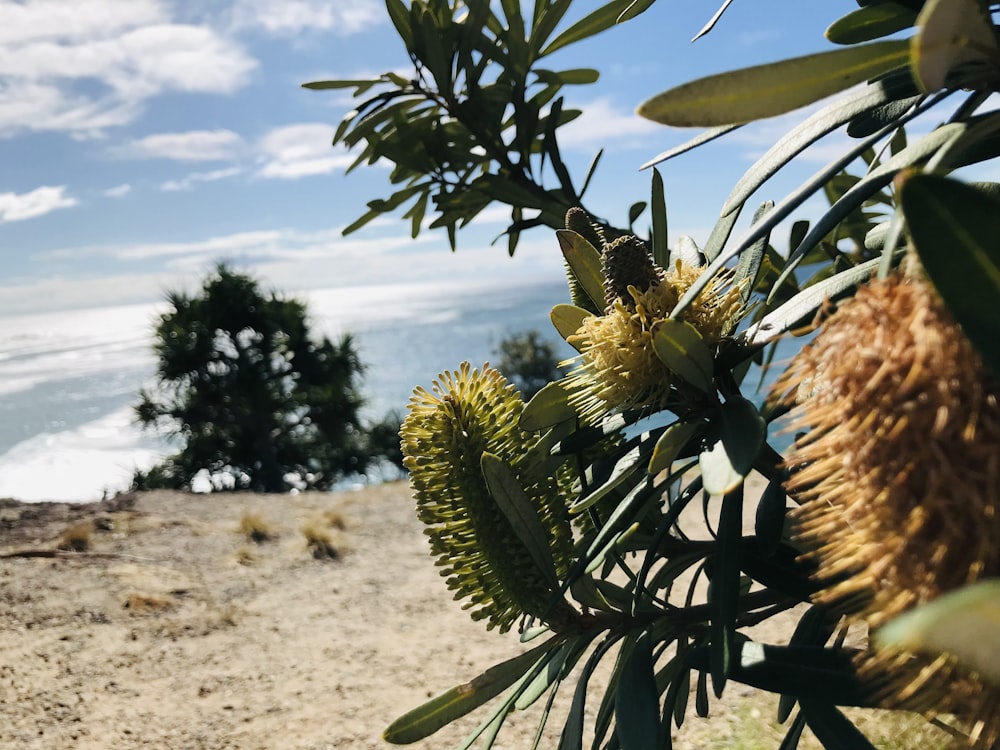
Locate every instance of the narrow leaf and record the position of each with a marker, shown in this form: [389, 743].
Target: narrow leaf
[567, 319]
[964, 624]
[725, 590]
[954, 228]
[952, 32]
[680, 347]
[547, 408]
[661, 255]
[709, 135]
[834, 730]
[424, 720]
[772, 89]
[637, 710]
[673, 440]
[741, 434]
[600, 20]
[872, 22]
[585, 263]
[803, 305]
[769, 522]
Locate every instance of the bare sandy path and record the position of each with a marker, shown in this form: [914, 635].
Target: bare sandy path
[176, 632]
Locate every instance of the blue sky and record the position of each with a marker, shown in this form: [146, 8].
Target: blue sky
[142, 140]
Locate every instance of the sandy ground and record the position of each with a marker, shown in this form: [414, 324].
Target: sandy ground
[175, 631]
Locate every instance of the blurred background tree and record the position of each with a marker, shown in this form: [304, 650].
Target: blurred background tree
[253, 399]
[529, 361]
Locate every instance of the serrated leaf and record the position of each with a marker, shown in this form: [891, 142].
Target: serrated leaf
[680, 347]
[584, 262]
[766, 90]
[517, 507]
[426, 719]
[954, 227]
[964, 624]
[952, 32]
[670, 444]
[741, 431]
[869, 23]
[637, 710]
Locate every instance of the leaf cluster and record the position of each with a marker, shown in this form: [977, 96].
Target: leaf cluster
[659, 501]
[476, 121]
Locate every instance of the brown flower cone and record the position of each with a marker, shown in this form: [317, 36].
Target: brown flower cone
[899, 476]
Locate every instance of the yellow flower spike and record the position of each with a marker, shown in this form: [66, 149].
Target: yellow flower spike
[618, 368]
[899, 474]
[448, 429]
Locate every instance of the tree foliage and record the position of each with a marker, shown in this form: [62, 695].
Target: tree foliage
[886, 503]
[529, 361]
[254, 400]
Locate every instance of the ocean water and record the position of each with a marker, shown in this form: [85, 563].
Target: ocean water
[68, 379]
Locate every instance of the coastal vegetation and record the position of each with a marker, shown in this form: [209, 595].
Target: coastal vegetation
[591, 518]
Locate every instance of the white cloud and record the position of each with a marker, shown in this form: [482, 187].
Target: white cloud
[37, 202]
[604, 123]
[84, 67]
[188, 182]
[301, 150]
[119, 191]
[194, 145]
[288, 17]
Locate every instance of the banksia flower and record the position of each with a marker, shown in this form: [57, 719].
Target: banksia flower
[448, 429]
[617, 367]
[899, 474]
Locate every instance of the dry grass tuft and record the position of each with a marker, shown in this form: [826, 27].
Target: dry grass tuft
[245, 556]
[335, 520]
[319, 540]
[147, 604]
[256, 528]
[77, 538]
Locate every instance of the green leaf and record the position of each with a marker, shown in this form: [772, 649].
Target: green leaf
[424, 720]
[806, 672]
[637, 7]
[338, 84]
[635, 211]
[952, 32]
[574, 76]
[723, 595]
[547, 408]
[680, 347]
[567, 319]
[872, 22]
[661, 253]
[834, 730]
[600, 20]
[954, 228]
[769, 522]
[399, 14]
[741, 432]
[515, 504]
[802, 136]
[673, 440]
[637, 710]
[773, 89]
[964, 624]
[585, 264]
[803, 305]
[709, 135]
[750, 259]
